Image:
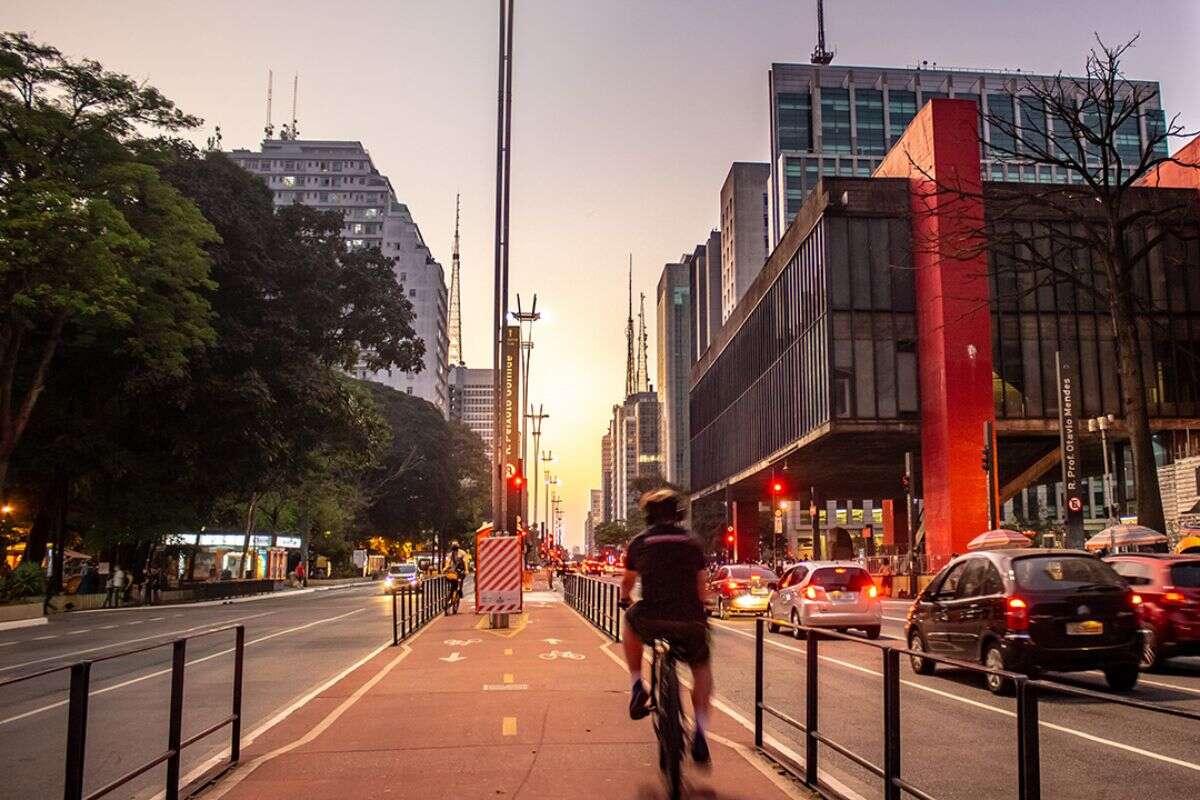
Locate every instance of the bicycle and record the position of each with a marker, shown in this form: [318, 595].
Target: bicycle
[455, 597]
[667, 712]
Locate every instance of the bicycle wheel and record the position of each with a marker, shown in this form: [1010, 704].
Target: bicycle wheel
[669, 726]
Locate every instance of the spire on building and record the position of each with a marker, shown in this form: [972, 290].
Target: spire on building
[455, 311]
[630, 369]
[643, 376]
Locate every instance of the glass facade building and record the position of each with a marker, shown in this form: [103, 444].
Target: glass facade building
[839, 121]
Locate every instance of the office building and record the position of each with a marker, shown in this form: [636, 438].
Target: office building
[674, 313]
[838, 360]
[608, 477]
[593, 519]
[744, 230]
[842, 120]
[704, 281]
[471, 401]
[637, 449]
[340, 176]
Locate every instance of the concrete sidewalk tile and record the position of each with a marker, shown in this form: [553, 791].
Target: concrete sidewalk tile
[430, 729]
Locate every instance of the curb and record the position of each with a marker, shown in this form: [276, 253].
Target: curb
[23, 623]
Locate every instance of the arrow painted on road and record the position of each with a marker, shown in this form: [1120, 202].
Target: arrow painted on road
[552, 641]
[453, 657]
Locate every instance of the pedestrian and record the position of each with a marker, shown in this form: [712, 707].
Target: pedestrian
[110, 590]
[120, 585]
[300, 573]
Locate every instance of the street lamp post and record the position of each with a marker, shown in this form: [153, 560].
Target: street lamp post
[1103, 424]
[535, 420]
[525, 320]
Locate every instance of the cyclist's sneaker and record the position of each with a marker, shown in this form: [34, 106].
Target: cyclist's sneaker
[700, 749]
[639, 702]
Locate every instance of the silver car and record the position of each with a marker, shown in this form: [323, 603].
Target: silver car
[827, 594]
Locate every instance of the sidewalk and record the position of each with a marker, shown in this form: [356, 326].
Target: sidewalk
[534, 712]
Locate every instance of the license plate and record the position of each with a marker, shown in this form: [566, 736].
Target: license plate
[1089, 627]
[843, 596]
[758, 590]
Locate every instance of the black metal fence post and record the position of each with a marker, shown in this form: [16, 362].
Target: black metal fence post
[1029, 768]
[891, 724]
[175, 722]
[239, 660]
[759, 622]
[810, 709]
[395, 636]
[77, 714]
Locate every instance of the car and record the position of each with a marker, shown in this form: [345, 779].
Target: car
[401, 578]
[827, 594]
[1169, 586]
[1028, 611]
[739, 589]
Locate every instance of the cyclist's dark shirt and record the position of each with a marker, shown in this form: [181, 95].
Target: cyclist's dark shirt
[667, 558]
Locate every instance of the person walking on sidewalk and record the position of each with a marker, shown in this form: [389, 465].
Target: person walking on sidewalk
[114, 587]
[670, 562]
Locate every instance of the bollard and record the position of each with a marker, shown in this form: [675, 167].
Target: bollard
[175, 721]
[77, 714]
[891, 724]
[758, 682]
[239, 661]
[395, 637]
[1029, 768]
[810, 709]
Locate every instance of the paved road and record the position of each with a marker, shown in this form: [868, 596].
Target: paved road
[959, 741]
[294, 644]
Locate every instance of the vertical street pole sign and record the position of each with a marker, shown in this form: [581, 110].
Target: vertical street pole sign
[989, 469]
[814, 516]
[1069, 442]
[910, 512]
[500, 285]
[510, 434]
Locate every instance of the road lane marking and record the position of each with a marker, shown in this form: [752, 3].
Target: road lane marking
[509, 726]
[43, 638]
[6, 644]
[167, 671]
[234, 778]
[508, 677]
[74, 653]
[508, 651]
[76, 633]
[1060, 728]
[139, 622]
[1142, 679]
[107, 627]
[896, 619]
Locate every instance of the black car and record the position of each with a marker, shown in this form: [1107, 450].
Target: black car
[1029, 611]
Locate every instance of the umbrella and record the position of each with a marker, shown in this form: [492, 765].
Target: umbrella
[998, 540]
[1124, 536]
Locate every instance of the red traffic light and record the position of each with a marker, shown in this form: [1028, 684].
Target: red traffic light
[776, 487]
[729, 538]
[517, 480]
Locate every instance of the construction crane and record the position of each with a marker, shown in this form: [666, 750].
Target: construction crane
[819, 54]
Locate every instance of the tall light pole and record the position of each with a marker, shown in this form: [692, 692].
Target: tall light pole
[500, 286]
[1103, 424]
[525, 320]
[543, 456]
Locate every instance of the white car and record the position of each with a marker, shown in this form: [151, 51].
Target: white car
[401, 578]
[827, 594]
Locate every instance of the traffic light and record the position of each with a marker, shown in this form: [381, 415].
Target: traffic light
[776, 487]
[729, 534]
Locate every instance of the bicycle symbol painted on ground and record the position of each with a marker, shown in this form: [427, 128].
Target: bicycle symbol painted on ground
[557, 654]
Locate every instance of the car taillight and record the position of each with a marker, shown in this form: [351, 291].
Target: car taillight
[1173, 598]
[1016, 615]
[872, 591]
[814, 593]
[1135, 602]
[731, 585]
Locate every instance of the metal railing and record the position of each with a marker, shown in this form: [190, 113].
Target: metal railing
[1028, 691]
[414, 606]
[77, 716]
[597, 601]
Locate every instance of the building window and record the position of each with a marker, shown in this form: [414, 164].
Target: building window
[868, 110]
[793, 119]
[412, 292]
[835, 119]
[289, 181]
[1000, 108]
[902, 107]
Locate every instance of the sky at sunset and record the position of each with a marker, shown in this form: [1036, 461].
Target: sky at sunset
[626, 117]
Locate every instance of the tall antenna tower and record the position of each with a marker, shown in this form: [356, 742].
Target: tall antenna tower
[819, 54]
[643, 376]
[269, 130]
[456, 356]
[295, 91]
[630, 369]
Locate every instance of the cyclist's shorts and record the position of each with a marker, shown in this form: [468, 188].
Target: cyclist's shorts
[689, 639]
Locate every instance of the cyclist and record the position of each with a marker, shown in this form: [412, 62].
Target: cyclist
[670, 562]
[455, 569]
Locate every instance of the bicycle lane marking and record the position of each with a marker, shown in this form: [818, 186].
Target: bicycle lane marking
[977, 704]
[167, 671]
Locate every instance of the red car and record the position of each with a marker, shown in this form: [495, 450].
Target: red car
[1169, 586]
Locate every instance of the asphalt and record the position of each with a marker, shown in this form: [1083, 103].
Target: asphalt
[294, 645]
[959, 740]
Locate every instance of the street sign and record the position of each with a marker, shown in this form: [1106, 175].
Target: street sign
[498, 575]
[1069, 444]
[360, 558]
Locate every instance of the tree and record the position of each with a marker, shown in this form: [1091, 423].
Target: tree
[614, 534]
[88, 234]
[1092, 233]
